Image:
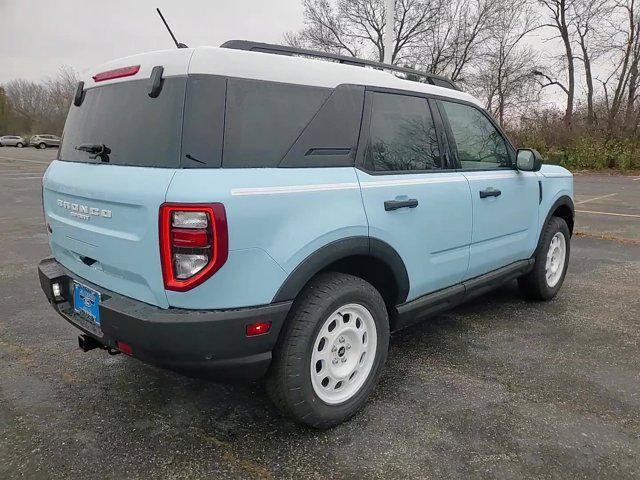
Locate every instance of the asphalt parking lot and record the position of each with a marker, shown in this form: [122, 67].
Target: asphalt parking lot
[498, 388]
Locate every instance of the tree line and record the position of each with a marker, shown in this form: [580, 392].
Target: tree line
[514, 55]
[28, 107]
[522, 58]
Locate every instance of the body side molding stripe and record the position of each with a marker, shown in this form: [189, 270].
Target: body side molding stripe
[293, 189]
[324, 187]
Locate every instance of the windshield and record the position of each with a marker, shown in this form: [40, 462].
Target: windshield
[136, 129]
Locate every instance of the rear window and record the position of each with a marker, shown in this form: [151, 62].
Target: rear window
[139, 130]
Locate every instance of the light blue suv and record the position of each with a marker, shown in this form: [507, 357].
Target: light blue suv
[256, 211]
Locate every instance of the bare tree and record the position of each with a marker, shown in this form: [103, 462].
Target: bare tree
[483, 46]
[60, 89]
[459, 37]
[474, 27]
[27, 100]
[592, 38]
[42, 106]
[633, 83]
[505, 75]
[560, 14]
[4, 111]
[625, 73]
[444, 37]
[355, 27]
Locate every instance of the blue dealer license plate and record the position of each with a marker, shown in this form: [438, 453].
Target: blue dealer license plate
[86, 302]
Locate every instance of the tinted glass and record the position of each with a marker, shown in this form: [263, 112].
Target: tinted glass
[264, 119]
[331, 138]
[203, 121]
[480, 145]
[139, 130]
[402, 135]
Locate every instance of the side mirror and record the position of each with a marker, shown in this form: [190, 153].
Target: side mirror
[528, 160]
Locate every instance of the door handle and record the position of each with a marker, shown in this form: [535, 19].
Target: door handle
[490, 192]
[396, 204]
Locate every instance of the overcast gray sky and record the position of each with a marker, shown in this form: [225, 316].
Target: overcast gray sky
[38, 36]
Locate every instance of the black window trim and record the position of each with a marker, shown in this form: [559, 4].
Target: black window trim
[363, 138]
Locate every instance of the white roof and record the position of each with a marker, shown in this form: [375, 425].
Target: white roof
[264, 66]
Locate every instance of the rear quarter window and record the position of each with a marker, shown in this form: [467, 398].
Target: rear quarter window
[264, 119]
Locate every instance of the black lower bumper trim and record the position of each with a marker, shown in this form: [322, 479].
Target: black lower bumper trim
[207, 342]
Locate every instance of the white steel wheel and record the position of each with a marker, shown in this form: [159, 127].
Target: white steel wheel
[343, 354]
[555, 259]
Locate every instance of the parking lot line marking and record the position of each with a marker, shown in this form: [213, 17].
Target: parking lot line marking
[609, 213]
[595, 198]
[24, 160]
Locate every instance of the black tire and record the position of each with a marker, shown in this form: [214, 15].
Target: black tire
[19, 145]
[534, 285]
[289, 381]
[42, 146]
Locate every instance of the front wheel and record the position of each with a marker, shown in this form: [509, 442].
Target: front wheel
[19, 145]
[551, 261]
[42, 146]
[331, 351]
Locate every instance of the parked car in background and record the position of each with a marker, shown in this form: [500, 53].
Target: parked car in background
[12, 141]
[44, 141]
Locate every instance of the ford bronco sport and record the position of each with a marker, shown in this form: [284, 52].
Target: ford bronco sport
[252, 211]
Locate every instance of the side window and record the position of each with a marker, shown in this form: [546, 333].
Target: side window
[480, 145]
[402, 134]
[264, 119]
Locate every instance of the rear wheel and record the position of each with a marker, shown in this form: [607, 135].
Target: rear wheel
[331, 351]
[42, 146]
[552, 258]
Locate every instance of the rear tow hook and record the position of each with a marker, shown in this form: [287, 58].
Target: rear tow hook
[86, 343]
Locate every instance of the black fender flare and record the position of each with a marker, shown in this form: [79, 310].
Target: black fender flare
[562, 200]
[337, 250]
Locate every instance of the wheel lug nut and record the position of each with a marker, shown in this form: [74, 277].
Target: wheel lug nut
[344, 359]
[348, 346]
[335, 361]
[334, 349]
[341, 339]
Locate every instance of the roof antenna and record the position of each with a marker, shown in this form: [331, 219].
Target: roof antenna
[178, 44]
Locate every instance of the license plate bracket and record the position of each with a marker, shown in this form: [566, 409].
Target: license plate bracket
[86, 302]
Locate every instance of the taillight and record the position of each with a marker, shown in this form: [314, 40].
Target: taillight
[116, 73]
[194, 243]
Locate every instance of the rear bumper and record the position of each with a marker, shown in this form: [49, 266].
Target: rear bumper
[212, 343]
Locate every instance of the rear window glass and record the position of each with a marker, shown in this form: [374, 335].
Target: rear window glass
[264, 119]
[137, 129]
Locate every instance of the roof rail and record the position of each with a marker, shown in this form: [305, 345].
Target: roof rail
[295, 51]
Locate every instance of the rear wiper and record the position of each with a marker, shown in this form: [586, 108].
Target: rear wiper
[96, 150]
[190, 157]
